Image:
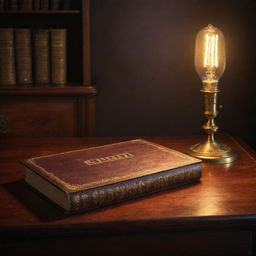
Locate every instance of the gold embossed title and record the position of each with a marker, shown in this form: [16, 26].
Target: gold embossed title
[112, 158]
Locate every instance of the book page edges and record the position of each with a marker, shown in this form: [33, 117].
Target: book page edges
[48, 189]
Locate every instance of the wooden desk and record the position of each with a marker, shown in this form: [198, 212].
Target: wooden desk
[214, 217]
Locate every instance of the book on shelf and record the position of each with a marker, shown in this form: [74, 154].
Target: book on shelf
[55, 4]
[2, 3]
[7, 58]
[89, 178]
[13, 5]
[44, 5]
[26, 5]
[23, 56]
[36, 5]
[65, 5]
[58, 56]
[41, 56]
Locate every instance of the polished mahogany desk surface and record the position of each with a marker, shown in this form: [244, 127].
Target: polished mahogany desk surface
[222, 205]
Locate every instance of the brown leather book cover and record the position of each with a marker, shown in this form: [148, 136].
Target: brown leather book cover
[26, 5]
[55, 4]
[41, 57]
[44, 4]
[58, 56]
[23, 56]
[13, 5]
[7, 58]
[65, 5]
[36, 5]
[2, 5]
[107, 174]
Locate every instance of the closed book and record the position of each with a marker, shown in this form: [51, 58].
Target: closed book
[23, 56]
[26, 5]
[41, 57]
[55, 4]
[90, 178]
[13, 5]
[36, 5]
[2, 7]
[65, 4]
[7, 58]
[44, 4]
[58, 56]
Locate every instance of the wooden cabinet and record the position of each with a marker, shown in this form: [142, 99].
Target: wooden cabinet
[49, 110]
[68, 111]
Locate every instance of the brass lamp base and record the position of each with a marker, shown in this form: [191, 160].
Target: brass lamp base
[213, 152]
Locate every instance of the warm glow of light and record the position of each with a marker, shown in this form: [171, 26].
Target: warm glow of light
[210, 56]
[211, 51]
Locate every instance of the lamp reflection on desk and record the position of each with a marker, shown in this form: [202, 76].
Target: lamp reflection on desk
[210, 62]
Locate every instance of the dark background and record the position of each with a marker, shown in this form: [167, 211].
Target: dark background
[143, 66]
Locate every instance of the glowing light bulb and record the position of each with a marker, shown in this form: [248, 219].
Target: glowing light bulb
[210, 57]
[210, 61]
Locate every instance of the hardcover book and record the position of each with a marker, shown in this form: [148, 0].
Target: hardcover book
[7, 58]
[36, 5]
[23, 56]
[26, 5]
[65, 4]
[2, 5]
[44, 4]
[13, 5]
[90, 178]
[41, 56]
[58, 56]
[55, 4]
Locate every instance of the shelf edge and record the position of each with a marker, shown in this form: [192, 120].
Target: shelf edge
[66, 90]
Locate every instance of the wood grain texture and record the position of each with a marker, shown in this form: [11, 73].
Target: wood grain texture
[49, 90]
[226, 193]
[46, 112]
[215, 216]
[54, 116]
[40, 12]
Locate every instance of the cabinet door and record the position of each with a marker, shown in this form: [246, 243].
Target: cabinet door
[40, 116]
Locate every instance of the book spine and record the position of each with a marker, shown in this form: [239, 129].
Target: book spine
[106, 195]
[58, 56]
[23, 56]
[41, 56]
[55, 4]
[44, 5]
[2, 7]
[7, 59]
[26, 5]
[13, 5]
[36, 5]
[65, 4]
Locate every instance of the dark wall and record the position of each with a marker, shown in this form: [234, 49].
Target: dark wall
[143, 66]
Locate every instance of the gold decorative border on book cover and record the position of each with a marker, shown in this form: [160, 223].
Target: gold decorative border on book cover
[187, 160]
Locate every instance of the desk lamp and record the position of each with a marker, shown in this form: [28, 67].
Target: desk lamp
[210, 61]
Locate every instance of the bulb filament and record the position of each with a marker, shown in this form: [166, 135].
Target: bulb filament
[211, 51]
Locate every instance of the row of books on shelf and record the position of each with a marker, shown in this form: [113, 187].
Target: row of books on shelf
[34, 5]
[33, 56]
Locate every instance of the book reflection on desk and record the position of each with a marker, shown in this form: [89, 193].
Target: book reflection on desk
[93, 177]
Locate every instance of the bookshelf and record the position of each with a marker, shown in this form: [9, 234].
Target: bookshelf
[53, 110]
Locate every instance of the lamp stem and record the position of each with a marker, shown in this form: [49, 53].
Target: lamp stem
[211, 150]
[210, 109]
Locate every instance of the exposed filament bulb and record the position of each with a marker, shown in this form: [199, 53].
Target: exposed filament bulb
[210, 54]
